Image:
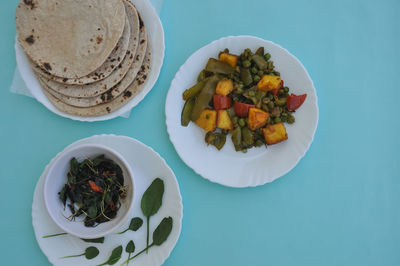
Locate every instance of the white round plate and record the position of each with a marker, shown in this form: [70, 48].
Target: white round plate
[147, 165]
[259, 165]
[156, 35]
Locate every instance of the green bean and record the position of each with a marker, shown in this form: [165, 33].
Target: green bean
[245, 76]
[260, 73]
[276, 73]
[216, 139]
[277, 120]
[252, 93]
[231, 112]
[216, 66]
[267, 56]
[271, 105]
[260, 51]
[256, 78]
[265, 107]
[260, 61]
[201, 76]
[204, 97]
[237, 138]
[246, 63]
[270, 66]
[187, 111]
[235, 120]
[247, 136]
[254, 70]
[283, 118]
[193, 91]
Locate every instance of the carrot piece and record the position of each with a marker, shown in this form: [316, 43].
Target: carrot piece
[95, 187]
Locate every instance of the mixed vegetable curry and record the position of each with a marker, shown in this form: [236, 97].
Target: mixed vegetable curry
[242, 95]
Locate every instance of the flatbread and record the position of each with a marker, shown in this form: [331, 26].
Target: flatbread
[113, 61]
[114, 91]
[109, 107]
[97, 88]
[69, 38]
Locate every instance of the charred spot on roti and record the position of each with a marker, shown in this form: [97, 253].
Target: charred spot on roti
[128, 52]
[137, 57]
[112, 66]
[65, 79]
[108, 109]
[112, 60]
[141, 24]
[47, 66]
[144, 77]
[65, 69]
[142, 41]
[30, 39]
[130, 57]
[128, 94]
[30, 3]
[99, 39]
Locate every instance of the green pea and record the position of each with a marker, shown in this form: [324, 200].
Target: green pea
[254, 70]
[284, 114]
[252, 94]
[242, 122]
[256, 78]
[271, 105]
[244, 150]
[246, 63]
[283, 118]
[281, 91]
[270, 96]
[259, 143]
[267, 56]
[290, 119]
[286, 89]
[226, 50]
[277, 120]
[235, 120]
[260, 73]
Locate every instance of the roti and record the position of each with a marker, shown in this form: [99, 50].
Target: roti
[97, 88]
[113, 61]
[102, 109]
[111, 93]
[69, 38]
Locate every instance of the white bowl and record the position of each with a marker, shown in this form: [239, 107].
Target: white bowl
[57, 177]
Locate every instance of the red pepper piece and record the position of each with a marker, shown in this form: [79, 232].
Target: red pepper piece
[95, 187]
[295, 101]
[242, 109]
[221, 102]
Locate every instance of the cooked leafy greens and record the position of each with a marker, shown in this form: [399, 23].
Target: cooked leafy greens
[94, 189]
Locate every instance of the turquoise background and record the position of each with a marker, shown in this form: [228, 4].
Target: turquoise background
[338, 206]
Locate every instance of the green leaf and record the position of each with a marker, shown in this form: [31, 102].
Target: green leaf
[152, 198]
[91, 252]
[130, 248]
[162, 231]
[115, 256]
[135, 224]
[94, 240]
[74, 166]
[92, 211]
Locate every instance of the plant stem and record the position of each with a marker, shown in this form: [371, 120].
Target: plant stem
[73, 256]
[123, 231]
[129, 259]
[60, 234]
[147, 239]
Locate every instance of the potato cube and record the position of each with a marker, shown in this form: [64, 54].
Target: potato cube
[275, 133]
[257, 118]
[223, 120]
[207, 120]
[224, 87]
[269, 83]
[228, 58]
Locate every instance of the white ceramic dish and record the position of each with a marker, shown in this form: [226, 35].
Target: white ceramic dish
[156, 36]
[56, 177]
[259, 165]
[147, 165]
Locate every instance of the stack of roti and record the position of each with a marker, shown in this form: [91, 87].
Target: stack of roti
[90, 56]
